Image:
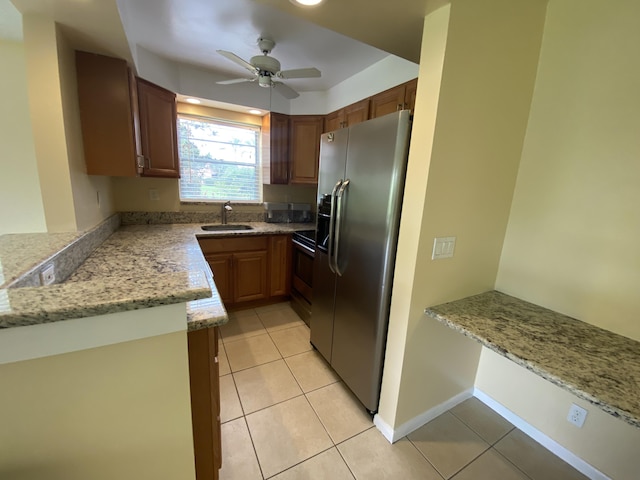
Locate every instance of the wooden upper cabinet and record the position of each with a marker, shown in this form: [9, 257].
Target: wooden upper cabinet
[388, 101]
[356, 113]
[128, 124]
[334, 120]
[411, 88]
[304, 148]
[106, 94]
[158, 130]
[347, 116]
[279, 150]
[396, 98]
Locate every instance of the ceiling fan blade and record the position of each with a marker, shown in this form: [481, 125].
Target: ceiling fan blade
[235, 80]
[300, 73]
[285, 90]
[236, 59]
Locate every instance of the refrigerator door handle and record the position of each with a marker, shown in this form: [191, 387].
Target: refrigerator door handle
[332, 225]
[340, 209]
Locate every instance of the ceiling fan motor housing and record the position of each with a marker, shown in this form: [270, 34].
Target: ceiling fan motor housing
[266, 63]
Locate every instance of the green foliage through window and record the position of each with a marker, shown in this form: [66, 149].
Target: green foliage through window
[219, 160]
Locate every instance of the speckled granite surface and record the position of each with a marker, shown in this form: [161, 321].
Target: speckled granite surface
[138, 266]
[594, 364]
[22, 252]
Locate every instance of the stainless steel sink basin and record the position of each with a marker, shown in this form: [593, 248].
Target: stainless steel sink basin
[225, 228]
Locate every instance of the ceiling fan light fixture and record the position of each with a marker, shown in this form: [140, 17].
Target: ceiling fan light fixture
[264, 81]
[194, 101]
[255, 111]
[306, 3]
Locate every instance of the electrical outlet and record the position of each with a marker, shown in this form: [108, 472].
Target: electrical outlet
[577, 415]
[48, 275]
[154, 194]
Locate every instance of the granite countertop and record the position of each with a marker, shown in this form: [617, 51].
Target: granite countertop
[594, 364]
[138, 266]
[22, 252]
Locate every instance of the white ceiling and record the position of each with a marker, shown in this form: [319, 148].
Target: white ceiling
[190, 32]
[10, 22]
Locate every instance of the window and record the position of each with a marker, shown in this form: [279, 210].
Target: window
[219, 160]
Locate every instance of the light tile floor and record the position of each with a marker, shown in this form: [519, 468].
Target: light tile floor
[287, 416]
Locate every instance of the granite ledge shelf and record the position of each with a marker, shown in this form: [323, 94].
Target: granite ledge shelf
[596, 365]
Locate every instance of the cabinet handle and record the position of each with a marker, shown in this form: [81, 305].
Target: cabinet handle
[400, 105]
[215, 359]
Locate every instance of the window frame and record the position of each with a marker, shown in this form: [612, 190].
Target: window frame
[258, 155]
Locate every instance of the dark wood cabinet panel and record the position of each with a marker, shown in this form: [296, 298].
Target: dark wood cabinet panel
[279, 150]
[158, 130]
[250, 276]
[304, 148]
[279, 266]
[128, 124]
[205, 402]
[106, 95]
[388, 101]
[221, 265]
[347, 116]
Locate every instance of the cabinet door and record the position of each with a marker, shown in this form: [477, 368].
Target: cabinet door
[280, 269]
[205, 402]
[158, 130]
[279, 148]
[388, 101]
[357, 112]
[411, 88]
[333, 121]
[304, 153]
[221, 265]
[250, 276]
[105, 89]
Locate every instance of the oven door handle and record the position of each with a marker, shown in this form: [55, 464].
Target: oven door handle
[332, 224]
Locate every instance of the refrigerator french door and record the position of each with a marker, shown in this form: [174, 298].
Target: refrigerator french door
[360, 187]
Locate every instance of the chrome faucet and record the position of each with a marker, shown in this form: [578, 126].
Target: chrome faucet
[226, 207]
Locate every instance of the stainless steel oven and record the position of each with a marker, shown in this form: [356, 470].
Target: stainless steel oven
[302, 274]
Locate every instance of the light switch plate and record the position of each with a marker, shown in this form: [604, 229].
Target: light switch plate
[443, 247]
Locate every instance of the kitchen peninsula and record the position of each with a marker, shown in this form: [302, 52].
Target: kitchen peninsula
[95, 370]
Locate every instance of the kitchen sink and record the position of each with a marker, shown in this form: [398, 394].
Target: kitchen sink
[224, 228]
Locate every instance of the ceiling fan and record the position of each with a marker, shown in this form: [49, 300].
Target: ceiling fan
[266, 70]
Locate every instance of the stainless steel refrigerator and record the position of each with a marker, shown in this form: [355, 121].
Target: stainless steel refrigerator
[360, 188]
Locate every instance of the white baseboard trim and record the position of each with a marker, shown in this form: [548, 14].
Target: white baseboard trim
[416, 422]
[547, 442]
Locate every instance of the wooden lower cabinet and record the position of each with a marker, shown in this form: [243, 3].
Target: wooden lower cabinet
[249, 270]
[250, 276]
[205, 402]
[280, 265]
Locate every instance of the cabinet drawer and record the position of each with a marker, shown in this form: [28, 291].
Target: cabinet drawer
[233, 244]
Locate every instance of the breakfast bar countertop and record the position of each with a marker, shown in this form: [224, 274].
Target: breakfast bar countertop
[138, 266]
[596, 365]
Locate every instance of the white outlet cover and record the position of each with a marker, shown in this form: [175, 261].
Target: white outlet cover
[577, 415]
[48, 275]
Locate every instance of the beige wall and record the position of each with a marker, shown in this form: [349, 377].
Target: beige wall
[45, 107]
[608, 444]
[22, 209]
[120, 411]
[133, 194]
[72, 200]
[92, 196]
[462, 169]
[572, 240]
